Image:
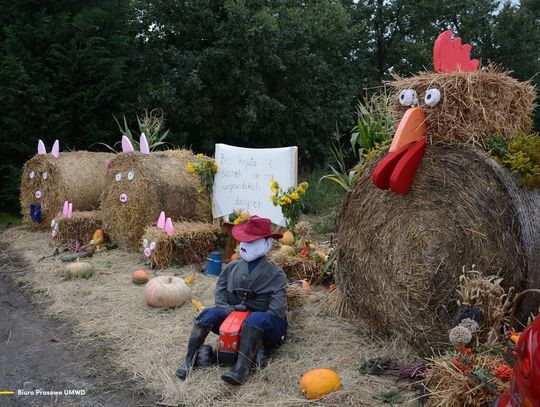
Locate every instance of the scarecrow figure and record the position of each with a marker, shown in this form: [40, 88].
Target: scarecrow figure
[266, 326]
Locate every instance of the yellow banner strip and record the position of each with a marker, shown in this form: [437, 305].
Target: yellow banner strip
[7, 392]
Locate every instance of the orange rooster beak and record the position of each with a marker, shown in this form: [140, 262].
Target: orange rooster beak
[412, 127]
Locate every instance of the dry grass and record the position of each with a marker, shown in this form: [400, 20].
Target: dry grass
[474, 105]
[161, 182]
[78, 177]
[190, 243]
[400, 257]
[297, 268]
[80, 227]
[109, 309]
[450, 387]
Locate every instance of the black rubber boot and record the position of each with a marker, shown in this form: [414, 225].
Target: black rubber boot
[250, 342]
[198, 335]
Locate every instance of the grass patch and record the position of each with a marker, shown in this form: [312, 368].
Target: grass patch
[8, 219]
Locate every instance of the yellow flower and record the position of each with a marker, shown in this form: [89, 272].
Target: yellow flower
[274, 187]
[304, 185]
[295, 196]
[237, 221]
[200, 155]
[274, 199]
[190, 167]
[285, 199]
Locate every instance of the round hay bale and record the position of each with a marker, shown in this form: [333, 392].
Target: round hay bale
[78, 176]
[160, 182]
[471, 107]
[400, 257]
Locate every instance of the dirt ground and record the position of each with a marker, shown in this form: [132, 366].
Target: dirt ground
[41, 353]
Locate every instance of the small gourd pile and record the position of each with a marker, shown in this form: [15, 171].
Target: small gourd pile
[300, 245]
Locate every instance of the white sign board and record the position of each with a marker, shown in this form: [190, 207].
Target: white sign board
[243, 179]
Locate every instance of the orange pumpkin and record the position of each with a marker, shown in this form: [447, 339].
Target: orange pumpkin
[98, 236]
[235, 256]
[305, 284]
[166, 292]
[140, 277]
[319, 382]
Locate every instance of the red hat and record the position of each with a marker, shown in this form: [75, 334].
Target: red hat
[253, 229]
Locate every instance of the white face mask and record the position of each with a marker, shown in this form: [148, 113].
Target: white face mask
[253, 250]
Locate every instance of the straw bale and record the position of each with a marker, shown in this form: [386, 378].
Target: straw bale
[161, 183]
[450, 387]
[79, 228]
[473, 106]
[78, 177]
[190, 243]
[297, 296]
[400, 257]
[108, 312]
[298, 268]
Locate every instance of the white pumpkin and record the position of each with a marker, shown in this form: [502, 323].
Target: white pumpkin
[166, 292]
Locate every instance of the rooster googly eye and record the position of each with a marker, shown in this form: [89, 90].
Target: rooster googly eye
[153, 246]
[131, 175]
[32, 174]
[433, 96]
[45, 175]
[408, 97]
[118, 177]
[145, 243]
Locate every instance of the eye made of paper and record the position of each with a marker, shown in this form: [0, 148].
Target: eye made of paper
[131, 175]
[32, 174]
[433, 96]
[53, 223]
[118, 177]
[45, 175]
[408, 97]
[152, 246]
[145, 243]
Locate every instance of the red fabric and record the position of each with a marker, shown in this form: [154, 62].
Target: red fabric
[255, 228]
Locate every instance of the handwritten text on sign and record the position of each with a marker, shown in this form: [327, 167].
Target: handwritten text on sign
[244, 175]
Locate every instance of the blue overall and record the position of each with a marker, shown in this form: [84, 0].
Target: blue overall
[275, 328]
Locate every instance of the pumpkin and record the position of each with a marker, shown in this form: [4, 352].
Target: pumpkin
[305, 284]
[288, 250]
[98, 238]
[319, 382]
[78, 269]
[235, 256]
[288, 238]
[140, 277]
[166, 292]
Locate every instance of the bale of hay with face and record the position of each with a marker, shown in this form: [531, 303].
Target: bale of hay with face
[47, 181]
[80, 227]
[189, 242]
[473, 106]
[141, 185]
[400, 257]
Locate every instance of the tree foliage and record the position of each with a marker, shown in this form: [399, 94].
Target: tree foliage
[245, 72]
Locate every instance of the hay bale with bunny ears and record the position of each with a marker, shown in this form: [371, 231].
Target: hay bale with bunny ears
[185, 242]
[141, 184]
[76, 227]
[50, 179]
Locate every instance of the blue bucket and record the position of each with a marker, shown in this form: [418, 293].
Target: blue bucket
[213, 267]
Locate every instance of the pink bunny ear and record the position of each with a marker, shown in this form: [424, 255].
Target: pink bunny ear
[55, 151]
[143, 144]
[70, 210]
[169, 228]
[161, 220]
[127, 147]
[65, 210]
[41, 147]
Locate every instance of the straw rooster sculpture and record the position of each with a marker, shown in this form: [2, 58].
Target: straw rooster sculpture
[451, 58]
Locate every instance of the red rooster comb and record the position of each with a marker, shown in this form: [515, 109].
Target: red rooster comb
[450, 56]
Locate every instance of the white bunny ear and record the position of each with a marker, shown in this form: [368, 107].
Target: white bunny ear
[127, 147]
[169, 228]
[41, 147]
[55, 151]
[65, 210]
[143, 144]
[161, 220]
[70, 210]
